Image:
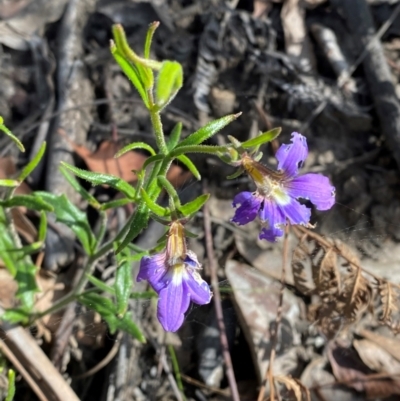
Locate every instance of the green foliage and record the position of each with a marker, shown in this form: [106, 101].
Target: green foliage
[33, 163]
[135, 145]
[262, 138]
[169, 81]
[189, 164]
[174, 136]
[33, 202]
[153, 206]
[67, 213]
[11, 135]
[194, 206]
[11, 385]
[123, 282]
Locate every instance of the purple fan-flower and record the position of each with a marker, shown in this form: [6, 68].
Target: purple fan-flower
[275, 200]
[173, 274]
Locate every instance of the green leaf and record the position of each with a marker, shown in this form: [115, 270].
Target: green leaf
[174, 136]
[16, 315]
[123, 282]
[189, 164]
[9, 183]
[149, 37]
[32, 164]
[107, 311]
[30, 249]
[132, 73]
[42, 226]
[11, 385]
[78, 188]
[27, 287]
[152, 159]
[169, 81]
[100, 284]
[67, 213]
[194, 206]
[33, 202]
[11, 135]
[262, 138]
[236, 174]
[115, 203]
[135, 145]
[6, 243]
[170, 190]
[210, 149]
[103, 179]
[153, 206]
[208, 130]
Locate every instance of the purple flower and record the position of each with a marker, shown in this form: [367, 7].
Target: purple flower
[275, 200]
[173, 274]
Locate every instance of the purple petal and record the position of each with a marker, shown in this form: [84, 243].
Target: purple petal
[191, 260]
[315, 187]
[249, 206]
[198, 289]
[271, 212]
[271, 233]
[291, 157]
[153, 269]
[295, 212]
[173, 302]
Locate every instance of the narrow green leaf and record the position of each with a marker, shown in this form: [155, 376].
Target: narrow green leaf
[67, 213]
[101, 284]
[6, 243]
[135, 145]
[11, 135]
[132, 74]
[236, 174]
[32, 164]
[194, 206]
[208, 130]
[123, 282]
[262, 138]
[149, 37]
[126, 324]
[42, 226]
[115, 203]
[33, 202]
[30, 249]
[210, 149]
[153, 206]
[189, 164]
[174, 136]
[103, 179]
[169, 81]
[11, 385]
[9, 183]
[170, 190]
[78, 188]
[152, 159]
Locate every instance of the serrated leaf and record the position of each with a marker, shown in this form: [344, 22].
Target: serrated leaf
[208, 130]
[15, 315]
[154, 207]
[174, 136]
[169, 81]
[189, 164]
[103, 179]
[262, 138]
[123, 282]
[11, 135]
[67, 213]
[135, 145]
[194, 206]
[9, 183]
[33, 163]
[33, 202]
[81, 191]
[115, 203]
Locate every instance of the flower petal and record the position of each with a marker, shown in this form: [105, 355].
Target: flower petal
[271, 233]
[173, 302]
[249, 206]
[198, 289]
[315, 187]
[291, 157]
[271, 212]
[296, 213]
[153, 269]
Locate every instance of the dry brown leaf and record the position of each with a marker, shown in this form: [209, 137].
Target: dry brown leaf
[391, 345]
[388, 298]
[350, 369]
[294, 385]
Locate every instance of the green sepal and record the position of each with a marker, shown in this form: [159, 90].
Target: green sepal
[174, 136]
[123, 282]
[262, 138]
[191, 167]
[194, 206]
[169, 81]
[208, 130]
[115, 203]
[209, 149]
[33, 202]
[87, 196]
[16, 315]
[133, 75]
[11, 135]
[153, 206]
[32, 164]
[103, 179]
[67, 213]
[135, 145]
[9, 183]
[107, 310]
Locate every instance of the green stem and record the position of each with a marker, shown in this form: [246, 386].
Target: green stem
[158, 129]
